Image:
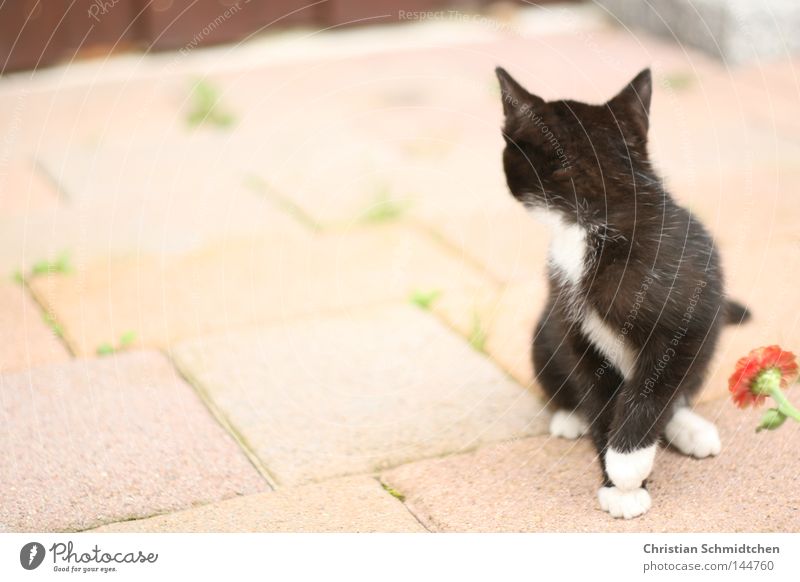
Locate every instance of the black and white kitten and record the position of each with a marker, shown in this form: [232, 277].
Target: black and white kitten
[636, 299]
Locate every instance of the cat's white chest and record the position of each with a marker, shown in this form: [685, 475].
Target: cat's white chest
[568, 246]
[568, 256]
[609, 342]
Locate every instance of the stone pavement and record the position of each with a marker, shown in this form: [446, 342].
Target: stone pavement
[318, 317]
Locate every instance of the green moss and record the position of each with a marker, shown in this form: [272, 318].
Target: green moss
[62, 264]
[424, 299]
[393, 492]
[53, 324]
[206, 107]
[105, 349]
[126, 340]
[477, 335]
[384, 208]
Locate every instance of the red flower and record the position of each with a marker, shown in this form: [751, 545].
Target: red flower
[748, 381]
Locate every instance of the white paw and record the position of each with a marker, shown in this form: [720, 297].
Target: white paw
[625, 504]
[692, 434]
[568, 425]
[628, 470]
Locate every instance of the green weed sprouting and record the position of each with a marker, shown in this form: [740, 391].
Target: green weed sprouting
[206, 107]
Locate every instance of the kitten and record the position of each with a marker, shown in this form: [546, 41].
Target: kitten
[636, 300]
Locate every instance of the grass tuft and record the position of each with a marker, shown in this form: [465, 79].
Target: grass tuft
[393, 492]
[126, 341]
[206, 107]
[477, 335]
[62, 264]
[424, 299]
[105, 349]
[384, 208]
[53, 324]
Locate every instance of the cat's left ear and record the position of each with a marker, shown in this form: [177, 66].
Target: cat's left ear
[634, 100]
[517, 101]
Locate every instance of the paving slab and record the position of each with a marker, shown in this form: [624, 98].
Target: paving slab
[749, 205]
[96, 441]
[506, 318]
[350, 180]
[80, 113]
[124, 200]
[355, 394]
[550, 485]
[247, 282]
[704, 124]
[120, 230]
[24, 189]
[25, 339]
[352, 504]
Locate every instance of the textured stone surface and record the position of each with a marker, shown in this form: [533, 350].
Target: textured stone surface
[752, 207]
[354, 504]
[507, 319]
[159, 199]
[245, 282]
[543, 484]
[463, 198]
[356, 394]
[23, 189]
[25, 339]
[97, 441]
[104, 108]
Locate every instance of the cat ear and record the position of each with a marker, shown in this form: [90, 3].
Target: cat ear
[516, 100]
[634, 100]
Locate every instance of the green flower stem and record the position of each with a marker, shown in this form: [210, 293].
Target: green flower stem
[783, 403]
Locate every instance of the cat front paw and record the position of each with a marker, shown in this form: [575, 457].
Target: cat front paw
[692, 434]
[568, 425]
[629, 470]
[624, 504]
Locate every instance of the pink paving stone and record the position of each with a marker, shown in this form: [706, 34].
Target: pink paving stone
[94, 112]
[707, 128]
[25, 339]
[550, 485]
[501, 237]
[246, 282]
[354, 394]
[745, 205]
[96, 441]
[350, 175]
[770, 93]
[507, 318]
[162, 199]
[23, 189]
[352, 504]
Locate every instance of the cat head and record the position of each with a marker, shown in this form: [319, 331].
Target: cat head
[566, 155]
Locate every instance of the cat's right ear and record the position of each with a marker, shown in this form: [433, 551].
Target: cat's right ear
[516, 100]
